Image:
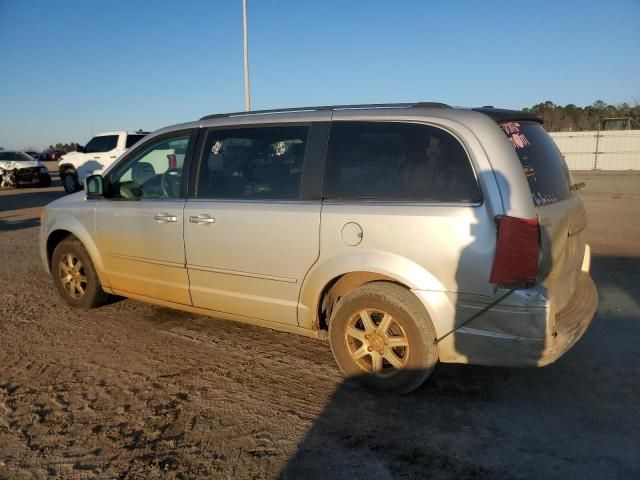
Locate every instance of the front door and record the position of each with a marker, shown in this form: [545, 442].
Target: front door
[249, 237]
[140, 223]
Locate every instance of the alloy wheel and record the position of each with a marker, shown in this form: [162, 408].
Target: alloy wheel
[73, 276]
[377, 342]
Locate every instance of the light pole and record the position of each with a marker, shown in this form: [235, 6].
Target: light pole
[247, 95]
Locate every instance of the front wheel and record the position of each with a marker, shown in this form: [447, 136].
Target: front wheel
[75, 276]
[382, 337]
[45, 181]
[70, 182]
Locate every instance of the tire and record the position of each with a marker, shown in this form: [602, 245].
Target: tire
[70, 181]
[400, 369]
[45, 181]
[89, 293]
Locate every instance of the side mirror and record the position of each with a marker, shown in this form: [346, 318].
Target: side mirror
[81, 149]
[94, 186]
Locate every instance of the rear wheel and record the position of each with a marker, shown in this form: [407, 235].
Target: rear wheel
[382, 337]
[75, 276]
[70, 181]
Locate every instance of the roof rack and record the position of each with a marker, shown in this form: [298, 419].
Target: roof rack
[330, 107]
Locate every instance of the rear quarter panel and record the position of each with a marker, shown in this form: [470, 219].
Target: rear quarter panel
[443, 249]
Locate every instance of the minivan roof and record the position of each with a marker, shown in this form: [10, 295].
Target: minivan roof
[120, 132]
[496, 114]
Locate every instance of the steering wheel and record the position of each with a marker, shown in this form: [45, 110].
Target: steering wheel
[170, 182]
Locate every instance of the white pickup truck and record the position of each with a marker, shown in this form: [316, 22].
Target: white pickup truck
[101, 151]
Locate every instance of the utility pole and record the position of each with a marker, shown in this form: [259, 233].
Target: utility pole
[247, 95]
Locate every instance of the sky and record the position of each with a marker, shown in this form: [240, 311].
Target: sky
[73, 67]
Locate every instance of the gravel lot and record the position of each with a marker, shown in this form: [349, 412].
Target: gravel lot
[136, 391]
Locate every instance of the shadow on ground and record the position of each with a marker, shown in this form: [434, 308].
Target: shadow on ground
[10, 224]
[576, 418]
[22, 198]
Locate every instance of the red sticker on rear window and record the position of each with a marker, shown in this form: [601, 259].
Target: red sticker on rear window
[517, 139]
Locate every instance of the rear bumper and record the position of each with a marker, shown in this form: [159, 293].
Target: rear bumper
[572, 321]
[521, 336]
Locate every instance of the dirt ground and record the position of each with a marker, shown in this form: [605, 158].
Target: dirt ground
[136, 391]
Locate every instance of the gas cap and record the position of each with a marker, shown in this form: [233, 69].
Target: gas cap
[352, 234]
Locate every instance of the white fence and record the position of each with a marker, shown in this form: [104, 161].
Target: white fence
[606, 150]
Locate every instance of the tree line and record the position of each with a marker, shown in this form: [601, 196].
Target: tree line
[573, 118]
[557, 118]
[64, 147]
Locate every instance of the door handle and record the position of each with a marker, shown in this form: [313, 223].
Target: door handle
[205, 219]
[165, 217]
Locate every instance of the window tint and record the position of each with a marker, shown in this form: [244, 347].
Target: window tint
[110, 142]
[155, 171]
[253, 163]
[7, 156]
[23, 157]
[96, 144]
[103, 143]
[543, 165]
[397, 161]
[132, 139]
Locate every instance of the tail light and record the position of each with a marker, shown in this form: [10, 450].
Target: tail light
[172, 161]
[516, 260]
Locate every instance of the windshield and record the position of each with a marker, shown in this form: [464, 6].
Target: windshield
[23, 157]
[542, 162]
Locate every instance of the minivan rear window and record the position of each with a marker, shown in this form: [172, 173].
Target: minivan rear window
[542, 162]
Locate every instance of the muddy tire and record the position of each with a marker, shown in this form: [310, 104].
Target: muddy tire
[75, 276]
[381, 337]
[70, 181]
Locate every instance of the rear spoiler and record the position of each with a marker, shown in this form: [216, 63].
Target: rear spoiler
[501, 115]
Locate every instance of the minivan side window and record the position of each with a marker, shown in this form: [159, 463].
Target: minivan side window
[253, 163]
[153, 171]
[397, 161]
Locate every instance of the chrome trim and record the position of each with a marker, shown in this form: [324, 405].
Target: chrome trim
[241, 274]
[384, 203]
[504, 336]
[164, 218]
[146, 260]
[201, 219]
[255, 201]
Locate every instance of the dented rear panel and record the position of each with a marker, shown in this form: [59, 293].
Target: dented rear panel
[559, 207]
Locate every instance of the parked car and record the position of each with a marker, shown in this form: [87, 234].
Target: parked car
[35, 155]
[51, 155]
[101, 151]
[19, 169]
[404, 234]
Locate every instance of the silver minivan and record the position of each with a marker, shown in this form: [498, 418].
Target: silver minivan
[405, 234]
